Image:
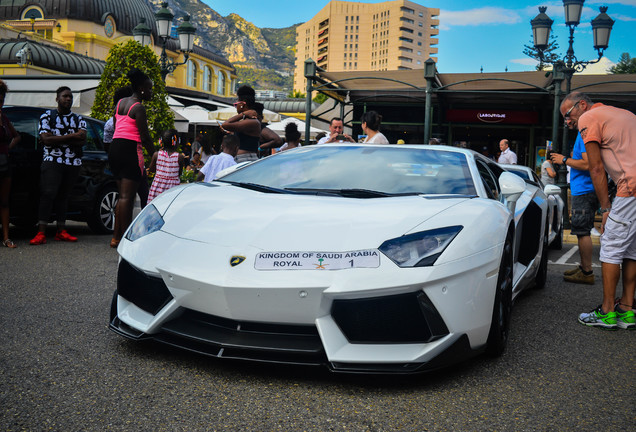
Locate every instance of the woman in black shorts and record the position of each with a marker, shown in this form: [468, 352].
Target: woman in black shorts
[125, 155]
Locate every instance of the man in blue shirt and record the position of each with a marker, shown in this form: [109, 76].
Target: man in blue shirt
[584, 207]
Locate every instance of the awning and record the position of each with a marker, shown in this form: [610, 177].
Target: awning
[189, 100]
[196, 115]
[279, 127]
[40, 91]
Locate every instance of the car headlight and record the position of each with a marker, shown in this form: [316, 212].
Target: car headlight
[149, 221]
[419, 249]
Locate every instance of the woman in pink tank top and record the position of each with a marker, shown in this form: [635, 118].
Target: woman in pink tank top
[125, 154]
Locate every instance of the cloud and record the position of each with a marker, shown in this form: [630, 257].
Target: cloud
[599, 68]
[621, 2]
[622, 18]
[478, 17]
[525, 61]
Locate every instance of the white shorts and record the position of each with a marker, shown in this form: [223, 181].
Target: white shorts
[618, 241]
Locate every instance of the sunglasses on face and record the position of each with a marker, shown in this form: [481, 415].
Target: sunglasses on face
[567, 113]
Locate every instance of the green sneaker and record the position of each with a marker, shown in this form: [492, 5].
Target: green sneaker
[625, 319]
[597, 318]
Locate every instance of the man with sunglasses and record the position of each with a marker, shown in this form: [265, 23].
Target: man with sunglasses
[609, 134]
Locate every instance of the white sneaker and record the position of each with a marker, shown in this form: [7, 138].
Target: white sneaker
[595, 232]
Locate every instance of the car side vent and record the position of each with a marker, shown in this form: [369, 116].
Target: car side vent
[403, 318]
[146, 292]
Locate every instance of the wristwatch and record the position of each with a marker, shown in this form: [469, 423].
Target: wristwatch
[565, 158]
[604, 210]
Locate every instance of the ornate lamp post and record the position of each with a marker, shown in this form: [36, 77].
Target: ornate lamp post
[564, 69]
[142, 33]
[186, 32]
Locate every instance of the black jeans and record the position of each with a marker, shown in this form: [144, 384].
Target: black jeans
[56, 183]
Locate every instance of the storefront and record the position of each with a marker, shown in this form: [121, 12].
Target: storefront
[469, 110]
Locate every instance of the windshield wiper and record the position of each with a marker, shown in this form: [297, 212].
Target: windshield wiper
[351, 193]
[256, 187]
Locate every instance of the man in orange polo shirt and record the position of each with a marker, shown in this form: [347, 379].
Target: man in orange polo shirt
[609, 134]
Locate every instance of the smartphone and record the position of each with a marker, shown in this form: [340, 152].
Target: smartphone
[340, 137]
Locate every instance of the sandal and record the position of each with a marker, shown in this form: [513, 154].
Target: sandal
[10, 244]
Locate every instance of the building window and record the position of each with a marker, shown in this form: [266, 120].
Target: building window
[192, 74]
[220, 83]
[207, 79]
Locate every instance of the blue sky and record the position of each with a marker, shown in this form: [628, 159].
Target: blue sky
[474, 34]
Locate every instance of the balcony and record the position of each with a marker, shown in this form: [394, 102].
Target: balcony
[323, 23]
[406, 30]
[323, 41]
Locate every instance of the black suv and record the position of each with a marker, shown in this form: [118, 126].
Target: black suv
[95, 194]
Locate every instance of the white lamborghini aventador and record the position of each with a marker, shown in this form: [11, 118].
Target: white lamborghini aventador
[362, 258]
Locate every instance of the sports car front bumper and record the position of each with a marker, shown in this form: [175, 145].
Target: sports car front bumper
[361, 320]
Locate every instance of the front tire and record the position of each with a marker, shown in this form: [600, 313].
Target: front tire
[102, 218]
[542, 272]
[557, 243]
[500, 325]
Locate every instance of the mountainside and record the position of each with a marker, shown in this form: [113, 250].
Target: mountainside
[264, 58]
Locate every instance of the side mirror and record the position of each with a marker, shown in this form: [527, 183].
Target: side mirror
[552, 190]
[512, 186]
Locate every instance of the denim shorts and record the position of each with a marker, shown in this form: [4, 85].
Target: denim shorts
[618, 241]
[584, 209]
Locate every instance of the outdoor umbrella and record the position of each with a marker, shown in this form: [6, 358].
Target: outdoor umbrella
[225, 113]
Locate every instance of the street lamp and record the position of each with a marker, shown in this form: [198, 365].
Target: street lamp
[142, 32]
[601, 27]
[564, 69]
[186, 32]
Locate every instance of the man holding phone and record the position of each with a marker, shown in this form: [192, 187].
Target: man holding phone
[336, 135]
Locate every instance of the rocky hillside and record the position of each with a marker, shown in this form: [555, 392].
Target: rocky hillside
[263, 57]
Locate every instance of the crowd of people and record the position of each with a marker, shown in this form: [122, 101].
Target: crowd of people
[603, 146]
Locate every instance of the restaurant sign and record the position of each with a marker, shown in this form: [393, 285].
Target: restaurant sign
[492, 116]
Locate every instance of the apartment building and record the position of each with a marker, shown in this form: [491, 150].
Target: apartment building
[350, 36]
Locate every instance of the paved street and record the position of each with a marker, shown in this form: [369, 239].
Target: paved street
[62, 369]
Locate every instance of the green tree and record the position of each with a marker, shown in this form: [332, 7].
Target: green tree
[121, 59]
[549, 54]
[625, 65]
[320, 98]
[296, 94]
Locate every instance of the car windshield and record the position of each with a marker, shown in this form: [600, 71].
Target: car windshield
[363, 171]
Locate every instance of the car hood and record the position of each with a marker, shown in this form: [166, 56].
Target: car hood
[226, 215]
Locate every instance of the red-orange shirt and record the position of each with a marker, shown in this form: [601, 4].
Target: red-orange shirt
[614, 129]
